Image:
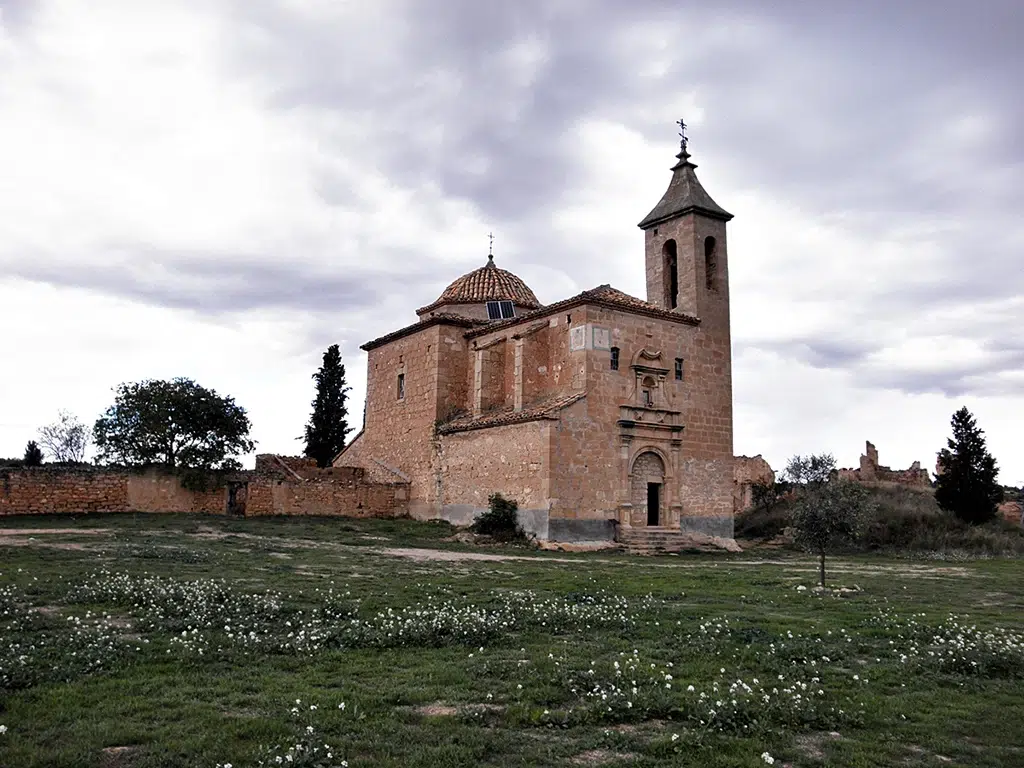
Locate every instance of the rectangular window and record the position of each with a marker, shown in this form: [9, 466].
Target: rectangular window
[500, 310]
[615, 359]
[679, 369]
[401, 386]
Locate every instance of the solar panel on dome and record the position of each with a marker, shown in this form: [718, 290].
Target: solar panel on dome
[493, 310]
[507, 309]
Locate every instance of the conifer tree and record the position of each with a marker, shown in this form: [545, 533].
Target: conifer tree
[967, 484]
[33, 454]
[327, 427]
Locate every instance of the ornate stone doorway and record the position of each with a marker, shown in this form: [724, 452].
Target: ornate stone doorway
[647, 489]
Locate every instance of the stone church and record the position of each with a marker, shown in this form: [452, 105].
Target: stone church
[596, 413]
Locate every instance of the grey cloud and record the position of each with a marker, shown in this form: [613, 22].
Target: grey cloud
[217, 283]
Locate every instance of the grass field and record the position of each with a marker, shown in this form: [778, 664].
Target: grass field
[187, 641]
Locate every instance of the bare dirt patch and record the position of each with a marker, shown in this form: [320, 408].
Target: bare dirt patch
[437, 709]
[52, 531]
[601, 757]
[117, 757]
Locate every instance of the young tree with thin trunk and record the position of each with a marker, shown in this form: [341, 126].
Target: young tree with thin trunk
[828, 515]
[966, 484]
[328, 424]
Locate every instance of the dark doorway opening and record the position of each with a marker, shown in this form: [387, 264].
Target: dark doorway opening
[653, 502]
[237, 493]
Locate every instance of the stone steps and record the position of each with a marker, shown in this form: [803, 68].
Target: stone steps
[650, 540]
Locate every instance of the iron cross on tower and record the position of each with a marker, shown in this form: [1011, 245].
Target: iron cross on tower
[490, 250]
[682, 134]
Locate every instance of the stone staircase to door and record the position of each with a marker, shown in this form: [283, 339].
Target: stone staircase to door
[652, 539]
[656, 539]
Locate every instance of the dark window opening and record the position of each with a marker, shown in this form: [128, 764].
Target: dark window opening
[679, 369]
[401, 386]
[648, 398]
[500, 310]
[710, 264]
[671, 274]
[615, 359]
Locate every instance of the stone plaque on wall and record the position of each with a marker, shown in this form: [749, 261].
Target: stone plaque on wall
[602, 338]
[577, 338]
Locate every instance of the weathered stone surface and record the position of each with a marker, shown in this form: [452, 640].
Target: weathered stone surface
[534, 408]
[748, 471]
[872, 473]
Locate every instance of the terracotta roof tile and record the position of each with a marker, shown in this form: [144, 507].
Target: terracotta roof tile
[603, 295]
[487, 284]
[441, 318]
[547, 410]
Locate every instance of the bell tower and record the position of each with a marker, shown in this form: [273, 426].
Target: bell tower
[685, 244]
[687, 266]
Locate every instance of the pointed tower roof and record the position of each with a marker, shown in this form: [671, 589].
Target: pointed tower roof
[684, 195]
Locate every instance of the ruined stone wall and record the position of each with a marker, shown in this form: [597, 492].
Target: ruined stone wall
[325, 497]
[748, 471]
[872, 473]
[63, 490]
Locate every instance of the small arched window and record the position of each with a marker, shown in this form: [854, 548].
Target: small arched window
[711, 263]
[671, 273]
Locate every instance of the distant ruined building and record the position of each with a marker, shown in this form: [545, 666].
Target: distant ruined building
[748, 471]
[871, 472]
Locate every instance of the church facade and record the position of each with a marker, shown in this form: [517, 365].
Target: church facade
[595, 412]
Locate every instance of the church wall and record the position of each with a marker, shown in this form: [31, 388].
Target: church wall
[453, 360]
[399, 432]
[513, 460]
[595, 458]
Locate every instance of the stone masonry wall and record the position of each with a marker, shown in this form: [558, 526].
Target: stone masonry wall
[748, 470]
[871, 472]
[62, 490]
[512, 460]
[267, 496]
[399, 432]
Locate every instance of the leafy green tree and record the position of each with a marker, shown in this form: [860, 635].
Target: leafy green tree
[828, 514]
[328, 425]
[175, 423]
[810, 470]
[66, 439]
[33, 454]
[966, 484]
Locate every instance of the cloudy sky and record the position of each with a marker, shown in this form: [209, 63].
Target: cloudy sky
[219, 189]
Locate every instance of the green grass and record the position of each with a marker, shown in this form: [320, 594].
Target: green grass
[487, 662]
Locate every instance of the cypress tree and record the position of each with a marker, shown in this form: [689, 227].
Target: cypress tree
[33, 454]
[967, 484]
[327, 427]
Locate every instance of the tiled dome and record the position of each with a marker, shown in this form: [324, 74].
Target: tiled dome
[489, 284]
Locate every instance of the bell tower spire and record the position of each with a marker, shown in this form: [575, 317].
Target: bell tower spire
[687, 268]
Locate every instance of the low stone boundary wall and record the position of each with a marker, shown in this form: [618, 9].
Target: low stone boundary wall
[274, 489]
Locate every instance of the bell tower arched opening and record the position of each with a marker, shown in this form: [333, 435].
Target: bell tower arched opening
[671, 265]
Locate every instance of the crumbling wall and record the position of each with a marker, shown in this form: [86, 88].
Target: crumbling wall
[871, 472]
[748, 471]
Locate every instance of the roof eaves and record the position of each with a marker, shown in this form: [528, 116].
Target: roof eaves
[441, 319]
